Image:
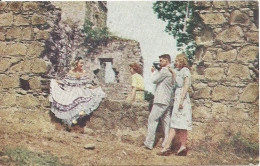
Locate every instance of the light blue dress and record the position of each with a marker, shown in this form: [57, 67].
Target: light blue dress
[181, 118]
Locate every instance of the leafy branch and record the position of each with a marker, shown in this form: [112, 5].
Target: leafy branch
[179, 15]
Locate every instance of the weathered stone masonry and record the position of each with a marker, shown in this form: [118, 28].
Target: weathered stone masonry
[225, 87]
[224, 84]
[24, 29]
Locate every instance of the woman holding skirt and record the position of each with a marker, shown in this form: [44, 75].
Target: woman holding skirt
[75, 95]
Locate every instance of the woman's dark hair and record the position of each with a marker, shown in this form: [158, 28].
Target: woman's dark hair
[78, 58]
[74, 63]
[137, 68]
[166, 56]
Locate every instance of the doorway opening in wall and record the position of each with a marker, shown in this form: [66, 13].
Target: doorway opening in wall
[106, 73]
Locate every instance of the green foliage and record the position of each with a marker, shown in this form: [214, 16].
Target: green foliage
[148, 96]
[174, 12]
[22, 156]
[244, 146]
[95, 36]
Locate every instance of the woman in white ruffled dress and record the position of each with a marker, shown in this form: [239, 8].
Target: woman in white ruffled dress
[75, 95]
[181, 118]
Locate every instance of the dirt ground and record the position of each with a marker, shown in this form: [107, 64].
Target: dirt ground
[38, 135]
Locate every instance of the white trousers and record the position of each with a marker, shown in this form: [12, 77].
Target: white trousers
[162, 112]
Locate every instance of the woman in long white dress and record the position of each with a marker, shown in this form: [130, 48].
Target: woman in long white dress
[75, 95]
[181, 118]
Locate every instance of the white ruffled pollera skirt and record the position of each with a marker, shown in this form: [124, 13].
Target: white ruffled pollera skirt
[69, 103]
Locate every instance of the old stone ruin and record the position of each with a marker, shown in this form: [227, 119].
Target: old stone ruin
[224, 76]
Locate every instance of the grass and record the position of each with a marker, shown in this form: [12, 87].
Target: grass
[23, 156]
[234, 149]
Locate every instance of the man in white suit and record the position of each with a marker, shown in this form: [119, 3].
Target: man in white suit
[163, 101]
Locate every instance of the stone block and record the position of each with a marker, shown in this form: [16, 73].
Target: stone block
[42, 35]
[2, 33]
[239, 18]
[250, 93]
[252, 37]
[238, 70]
[14, 33]
[27, 101]
[6, 19]
[201, 113]
[32, 6]
[197, 77]
[20, 20]
[202, 3]
[214, 73]
[203, 93]
[227, 56]
[27, 33]
[38, 19]
[208, 56]
[15, 6]
[237, 4]
[35, 83]
[39, 66]
[4, 64]
[248, 53]
[205, 39]
[237, 115]
[22, 67]
[225, 93]
[9, 81]
[213, 18]
[35, 49]
[2, 5]
[220, 4]
[199, 86]
[16, 49]
[8, 100]
[233, 34]
[220, 111]
[3, 48]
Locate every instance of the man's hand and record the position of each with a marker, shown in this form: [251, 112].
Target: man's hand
[153, 69]
[170, 69]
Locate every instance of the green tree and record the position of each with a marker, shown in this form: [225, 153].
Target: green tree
[179, 15]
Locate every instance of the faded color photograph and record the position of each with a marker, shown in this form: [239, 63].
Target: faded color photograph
[129, 83]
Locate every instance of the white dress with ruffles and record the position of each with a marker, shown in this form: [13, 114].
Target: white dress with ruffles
[74, 97]
[181, 118]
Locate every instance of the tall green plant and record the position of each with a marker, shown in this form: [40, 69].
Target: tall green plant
[179, 15]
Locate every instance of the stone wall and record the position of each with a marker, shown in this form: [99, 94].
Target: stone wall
[225, 73]
[24, 29]
[224, 80]
[121, 53]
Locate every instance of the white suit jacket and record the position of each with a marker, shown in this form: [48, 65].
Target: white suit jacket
[164, 86]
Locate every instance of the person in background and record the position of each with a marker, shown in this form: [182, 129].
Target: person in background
[163, 100]
[137, 88]
[181, 118]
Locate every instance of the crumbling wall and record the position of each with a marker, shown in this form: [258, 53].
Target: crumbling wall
[24, 29]
[121, 53]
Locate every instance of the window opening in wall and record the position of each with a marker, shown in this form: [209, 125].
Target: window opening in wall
[106, 73]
